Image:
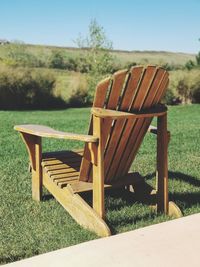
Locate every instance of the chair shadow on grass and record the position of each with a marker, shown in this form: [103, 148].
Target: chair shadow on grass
[178, 176]
[119, 208]
[183, 199]
[47, 197]
[118, 200]
[186, 199]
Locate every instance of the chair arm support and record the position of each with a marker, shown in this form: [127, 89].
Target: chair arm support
[154, 130]
[115, 114]
[44, 131]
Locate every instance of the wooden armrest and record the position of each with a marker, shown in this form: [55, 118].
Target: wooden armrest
[44, 131]
[112, 114]
[115, 114]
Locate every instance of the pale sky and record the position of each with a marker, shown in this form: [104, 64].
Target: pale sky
[172, 25]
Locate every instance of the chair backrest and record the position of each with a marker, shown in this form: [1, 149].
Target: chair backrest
[134, 90]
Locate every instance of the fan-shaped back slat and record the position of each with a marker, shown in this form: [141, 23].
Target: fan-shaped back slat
[108, 98]
[141, 125]
[137, 103]
[118, 126]
[145, 125]
[138, 89]
[99, 101]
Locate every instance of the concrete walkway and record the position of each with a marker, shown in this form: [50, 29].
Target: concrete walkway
[174, 243]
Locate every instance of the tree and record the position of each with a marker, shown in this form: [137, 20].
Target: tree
[97, 56]
[198, 58]
[192, 64]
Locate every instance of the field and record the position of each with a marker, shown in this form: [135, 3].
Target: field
[123, 57]
[153, 57]
[67, 82]
[29, 228]
[69, 70]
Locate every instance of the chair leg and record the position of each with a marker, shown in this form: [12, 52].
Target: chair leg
[98, 172]
[162, 165]
[98, 192]
[37, 173]
[33, 145]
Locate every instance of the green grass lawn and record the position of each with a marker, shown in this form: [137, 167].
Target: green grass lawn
[28, 228]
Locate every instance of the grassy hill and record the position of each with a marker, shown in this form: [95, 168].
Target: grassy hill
[154, 57]
[70, 82]
[123, 57]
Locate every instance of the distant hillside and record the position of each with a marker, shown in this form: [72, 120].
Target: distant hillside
[23, 66]
[154, 57]
[141, 57]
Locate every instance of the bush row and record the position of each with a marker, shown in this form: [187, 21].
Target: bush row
[27, 89]
[184, 87]
[22, 55]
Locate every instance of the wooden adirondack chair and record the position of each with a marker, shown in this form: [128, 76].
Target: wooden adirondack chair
[123, 108]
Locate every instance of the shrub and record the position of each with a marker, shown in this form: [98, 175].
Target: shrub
[170, 98]
[196, 94]
[27, 89]
[190, 65]
[83, 65]
[78, 98]
[71, 64]
[130, 64]
[195, 90]
[56, 60]
[170, 67]
[185, 85]
[184, 91]
[16, 54]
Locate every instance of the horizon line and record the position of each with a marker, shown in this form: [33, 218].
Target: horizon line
[86, 48]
